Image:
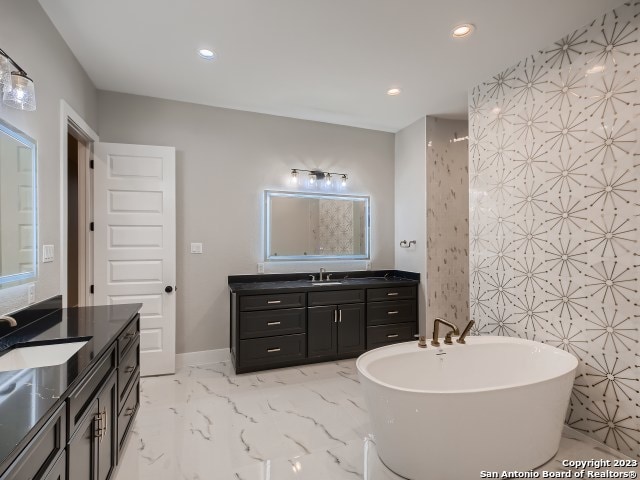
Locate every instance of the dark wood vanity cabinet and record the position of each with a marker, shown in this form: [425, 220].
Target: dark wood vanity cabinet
[290, 328]
[84, 438]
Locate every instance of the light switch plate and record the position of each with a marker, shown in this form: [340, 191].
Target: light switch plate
[48, 253]
[31, 293]
[261, 268]
[196, 248]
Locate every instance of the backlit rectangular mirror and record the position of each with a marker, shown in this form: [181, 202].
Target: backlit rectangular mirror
[315, 226]
[18, 258]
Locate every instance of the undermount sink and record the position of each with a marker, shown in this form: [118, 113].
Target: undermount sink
[39, 356]
[319, 284]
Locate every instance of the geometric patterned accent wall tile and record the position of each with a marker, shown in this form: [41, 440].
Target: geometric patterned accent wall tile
[554, 214]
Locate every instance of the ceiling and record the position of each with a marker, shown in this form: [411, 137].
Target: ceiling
[325, 60]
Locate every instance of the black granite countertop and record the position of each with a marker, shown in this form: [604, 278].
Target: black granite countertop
[271, 283]
[28, 397]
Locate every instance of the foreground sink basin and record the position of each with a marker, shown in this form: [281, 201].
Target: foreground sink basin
[325, 283]
[39, 356]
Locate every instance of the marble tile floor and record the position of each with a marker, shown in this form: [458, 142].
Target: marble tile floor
[308, 422]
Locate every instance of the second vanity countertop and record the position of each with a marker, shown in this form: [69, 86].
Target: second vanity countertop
[272, 283]
[29, 396]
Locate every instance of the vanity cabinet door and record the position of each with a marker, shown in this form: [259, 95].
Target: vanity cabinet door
[322, 331]
[351, 328]
[108, 438]
[81, 450]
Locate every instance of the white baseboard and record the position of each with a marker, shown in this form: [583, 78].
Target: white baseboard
[202, 358]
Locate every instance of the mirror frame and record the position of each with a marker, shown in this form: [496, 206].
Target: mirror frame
[29, 142]
[268, 194]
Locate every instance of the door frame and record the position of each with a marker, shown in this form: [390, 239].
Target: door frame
[72, 122]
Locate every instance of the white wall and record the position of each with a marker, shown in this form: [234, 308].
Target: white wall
[225, 160]
[411, 205]
[27, 34]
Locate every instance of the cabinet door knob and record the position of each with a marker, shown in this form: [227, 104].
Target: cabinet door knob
[129, 369]
[129, 411]
[168, 289]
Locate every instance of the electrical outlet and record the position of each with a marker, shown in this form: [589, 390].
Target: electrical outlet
[48, 253]
[368, 265]
[31, 293]
[196, 248]
[261, 268]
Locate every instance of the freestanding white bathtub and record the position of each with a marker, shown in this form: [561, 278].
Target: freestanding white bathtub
[450, 412]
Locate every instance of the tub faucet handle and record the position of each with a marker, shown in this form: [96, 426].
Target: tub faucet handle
[422, 341]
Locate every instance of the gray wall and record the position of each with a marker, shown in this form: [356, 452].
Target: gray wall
[447, 221]
[555, 218]
[27, 34]
[225, 160]
[411, 206]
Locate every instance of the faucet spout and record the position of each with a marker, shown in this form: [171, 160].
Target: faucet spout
[436, 326]
[322, 272]
[10, 320]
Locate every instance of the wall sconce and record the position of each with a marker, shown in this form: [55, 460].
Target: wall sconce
[318, 176]
[17, 88]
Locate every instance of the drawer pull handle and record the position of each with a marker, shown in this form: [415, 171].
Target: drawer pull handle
[394, 312]
[129, 335]
[393, 335]
[392, 294]
[129, 411]
[129, 369]
[273, 350]
[273, 323]
[274, 301]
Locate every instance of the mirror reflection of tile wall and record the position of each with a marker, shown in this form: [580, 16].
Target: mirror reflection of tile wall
[555, 214]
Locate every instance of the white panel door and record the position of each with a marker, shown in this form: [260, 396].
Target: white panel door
[135, 243]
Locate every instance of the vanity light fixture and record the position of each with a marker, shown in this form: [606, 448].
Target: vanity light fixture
[316, 176]
[463, 30]
[17, 88]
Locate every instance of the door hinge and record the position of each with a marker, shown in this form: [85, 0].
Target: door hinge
[91, 289]
[91, 226]
[91, 164]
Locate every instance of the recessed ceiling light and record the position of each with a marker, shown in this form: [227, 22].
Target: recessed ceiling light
[207, 54]
[394, 91]
[462, 30]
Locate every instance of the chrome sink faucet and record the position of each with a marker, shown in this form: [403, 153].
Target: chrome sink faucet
[447, 338]
[10, 320]
[322, 271]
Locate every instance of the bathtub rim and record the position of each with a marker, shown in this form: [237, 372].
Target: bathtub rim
[488, 339]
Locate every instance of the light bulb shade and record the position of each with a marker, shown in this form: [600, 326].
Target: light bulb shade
[312, 178]
[294, 176]
[344, 180]
[327, 179]
[22, 94]
[5, 74]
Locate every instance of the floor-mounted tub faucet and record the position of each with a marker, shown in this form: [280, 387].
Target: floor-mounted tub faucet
[465, 332]
[447, 338]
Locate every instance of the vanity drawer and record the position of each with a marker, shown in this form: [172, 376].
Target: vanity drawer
[128, 413]
[276, 300]
[128, 368]
[388, 334]
[397, 293]
[40, 454]
[335, 297]
[82, 397]
[127, 337]
[272, 322]
[382, 313]
[272, 350]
